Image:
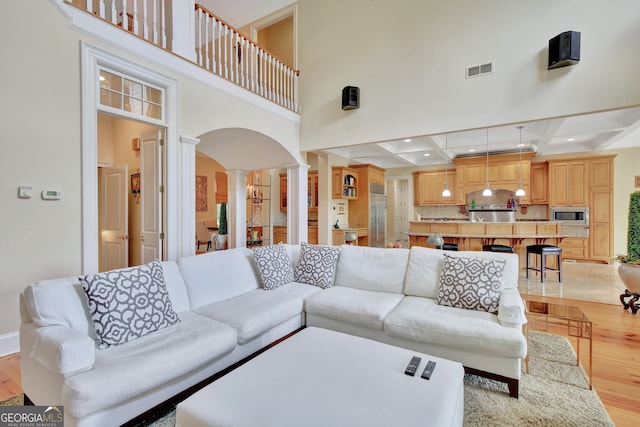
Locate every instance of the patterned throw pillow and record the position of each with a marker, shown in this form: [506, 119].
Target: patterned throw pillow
[471, 283]
[317, 265]
[274, 265]
[129, 303]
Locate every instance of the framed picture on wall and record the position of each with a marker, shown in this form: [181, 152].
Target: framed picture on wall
[201, 193]
[637, 181]
[135, 183]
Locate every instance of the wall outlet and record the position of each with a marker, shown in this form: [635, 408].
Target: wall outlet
[25, 192]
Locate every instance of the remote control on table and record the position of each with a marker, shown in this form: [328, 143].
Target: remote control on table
[428, 370]
[412, 367]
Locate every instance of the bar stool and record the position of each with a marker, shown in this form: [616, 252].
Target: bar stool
[351, 238]
[543, 251]
[498, 248]
[449, 246]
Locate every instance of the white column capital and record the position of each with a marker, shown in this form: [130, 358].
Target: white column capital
[189, 140]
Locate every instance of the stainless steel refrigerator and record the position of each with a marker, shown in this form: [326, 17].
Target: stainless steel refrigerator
[377, 215]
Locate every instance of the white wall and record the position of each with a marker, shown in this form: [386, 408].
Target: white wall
[408, 58]
[40, 120]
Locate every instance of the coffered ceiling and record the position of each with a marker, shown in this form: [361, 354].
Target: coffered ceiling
[590, 132]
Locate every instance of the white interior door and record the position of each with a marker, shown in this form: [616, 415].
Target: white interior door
[114, 245]
[151, 196]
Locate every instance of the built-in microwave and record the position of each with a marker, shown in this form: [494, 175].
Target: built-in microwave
[571, 215]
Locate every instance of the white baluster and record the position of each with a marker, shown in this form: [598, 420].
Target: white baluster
[89, 5]
[207, 20]
[114, 13]
[135, 17]
[163, 26]
[219, 50]
[125, 16]
[198, 25]
[145, 21]
[226, 52]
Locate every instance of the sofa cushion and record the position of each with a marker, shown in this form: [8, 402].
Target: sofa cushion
[353, 306]
[425, 266]
[257, 311]
[175, 286]
[219, 275]
[128, 303]
[471, 283]
[129, 370]
[372, 269]
[423, 320]
[274, 266]
[317, 265]
[59, 302]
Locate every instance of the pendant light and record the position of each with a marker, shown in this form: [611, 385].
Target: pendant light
[520, 191]
[487, 190]
[446, 192]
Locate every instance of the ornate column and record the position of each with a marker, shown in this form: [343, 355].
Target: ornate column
[237, 218]
[297, 213]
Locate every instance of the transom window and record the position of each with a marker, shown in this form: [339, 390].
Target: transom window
[128, 94]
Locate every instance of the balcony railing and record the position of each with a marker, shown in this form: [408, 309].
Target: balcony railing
[219, 48]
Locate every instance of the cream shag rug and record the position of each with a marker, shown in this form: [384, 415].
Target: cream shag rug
[555, 392]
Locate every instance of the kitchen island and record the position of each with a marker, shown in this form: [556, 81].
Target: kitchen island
[471, 236]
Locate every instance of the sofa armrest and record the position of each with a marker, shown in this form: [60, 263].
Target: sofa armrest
[511, 310]
[63, 350]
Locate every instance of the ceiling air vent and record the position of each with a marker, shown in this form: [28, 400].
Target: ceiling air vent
[479, 70]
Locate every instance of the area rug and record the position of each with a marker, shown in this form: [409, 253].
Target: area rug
[555, 392]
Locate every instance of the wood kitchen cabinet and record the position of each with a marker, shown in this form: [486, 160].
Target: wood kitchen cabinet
[280, 234]
[428, 186]
[539, 181]
[601, 209]
[586, 182]
[312, 191]
[503, 172]
[283, 192]
[344, 183]
[569, 183]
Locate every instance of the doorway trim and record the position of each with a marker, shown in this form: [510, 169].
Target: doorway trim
[92, 58]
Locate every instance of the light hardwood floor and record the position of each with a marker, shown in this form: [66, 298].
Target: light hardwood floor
[595, 289]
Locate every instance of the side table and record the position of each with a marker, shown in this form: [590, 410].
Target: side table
[541, 315]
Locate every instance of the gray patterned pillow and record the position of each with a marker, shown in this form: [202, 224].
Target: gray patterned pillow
[129, 303]
[274, 266]
[317, 265]
[472, 283]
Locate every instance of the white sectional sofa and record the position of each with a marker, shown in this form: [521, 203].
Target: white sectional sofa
[226, 314]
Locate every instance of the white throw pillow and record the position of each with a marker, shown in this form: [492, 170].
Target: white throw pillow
[317, 265]
[128, 303]
[471, 283]
[274, 266]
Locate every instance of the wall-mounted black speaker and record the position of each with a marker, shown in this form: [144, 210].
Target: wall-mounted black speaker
[350, 97]
[564, 49]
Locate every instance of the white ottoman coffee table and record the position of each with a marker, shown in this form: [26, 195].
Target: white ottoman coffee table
[324, 378]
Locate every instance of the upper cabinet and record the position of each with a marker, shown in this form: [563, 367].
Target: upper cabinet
[505, 171]
[312, 191]
[569, 182]
[345, 183]
[539, 184]
[428, 186]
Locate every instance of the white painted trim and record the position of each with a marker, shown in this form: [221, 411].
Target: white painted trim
[188, 191]
[9, 343]
[297, 210]
[92, 58]
[116, 37]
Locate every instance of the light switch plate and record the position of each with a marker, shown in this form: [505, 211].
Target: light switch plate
[25, 192]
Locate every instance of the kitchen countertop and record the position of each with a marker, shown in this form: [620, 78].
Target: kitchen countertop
[493, 236]
[466, 221]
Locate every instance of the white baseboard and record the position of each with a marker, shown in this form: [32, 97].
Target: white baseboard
[9, 343]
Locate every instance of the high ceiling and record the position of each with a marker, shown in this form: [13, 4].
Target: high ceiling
[615, 129]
